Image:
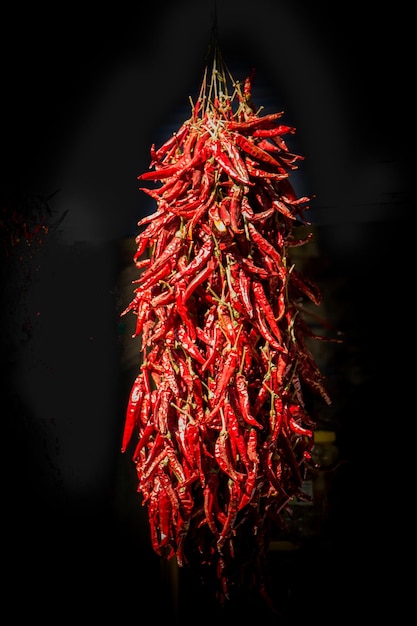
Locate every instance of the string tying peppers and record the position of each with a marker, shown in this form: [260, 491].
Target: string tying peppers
[216, 416]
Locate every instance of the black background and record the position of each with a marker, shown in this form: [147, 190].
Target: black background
[84, 96]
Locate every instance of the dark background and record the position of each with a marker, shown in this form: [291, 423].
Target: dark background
[83, 97]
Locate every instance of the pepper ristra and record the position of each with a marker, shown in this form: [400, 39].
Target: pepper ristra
[218, 444]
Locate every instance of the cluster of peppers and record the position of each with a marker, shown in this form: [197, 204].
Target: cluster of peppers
[216, 417]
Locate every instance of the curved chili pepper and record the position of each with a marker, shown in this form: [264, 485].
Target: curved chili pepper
[170, 251]
[202, 256]
[244, 401]
[174, 141]
[225, 163]
[202, 276]
[146, 471]
[210, 494]
[235, 209]
[183, 310]
[298, 429]
[218, 343]
[256, 172]
[253, 445]
[275, 131]
[163, 327]
[163, 299]
[232, 511]
[244, 285]
[141, 314]
[255, 151]
[264, 246]
[162, 407]
[266, 460]
[161, 173]
[187, 344]
[175, 465]
[164, 525]
[235, 158]
[264, 304]
[223, 457]
[254, 122]
[236, 437]
[265, 332]
[249, 265]
[132, 412]
[168, 373]
[226, 373]
[249, 488]
[143, 441]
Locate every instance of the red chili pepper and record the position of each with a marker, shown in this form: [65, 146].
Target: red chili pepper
[223, 456]
[232, 510]
[273, 132]
[264, 304]
[249, 265]
[162, 408]
[254, 122]
[165, 516]
[143, 441]
[218, 342]
[249, 488]
[247, 87]
[263, 393]
[253, 445]
[265, 332]
[175, 465]
[163, 299]
[256, 172]
[226, 374]
[146, 470]
[280, 206]
[173, 141]
[236, 159]
[235, 210]
[161, 173]
[141, 314]
[146, 400]
[152, 278]
[153, 515]
[266, 458]
[199, 214]
[187, 344]
[210, 495]
[236, 437]
[202, 256]
[244, 401]
[193, 439]
[255, 151]
[169, 373]
[183, 310]
[264, 246]
[164, 326]
[170, 251]
[132, 412]
[225, 163]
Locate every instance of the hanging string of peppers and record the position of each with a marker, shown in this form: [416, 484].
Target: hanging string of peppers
[216, 416]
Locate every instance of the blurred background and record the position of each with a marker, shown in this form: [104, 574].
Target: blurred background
[84, 97]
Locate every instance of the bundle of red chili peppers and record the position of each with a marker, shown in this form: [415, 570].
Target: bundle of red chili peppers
[216, 416]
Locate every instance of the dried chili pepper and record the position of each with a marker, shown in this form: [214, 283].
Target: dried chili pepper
[220, 443]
